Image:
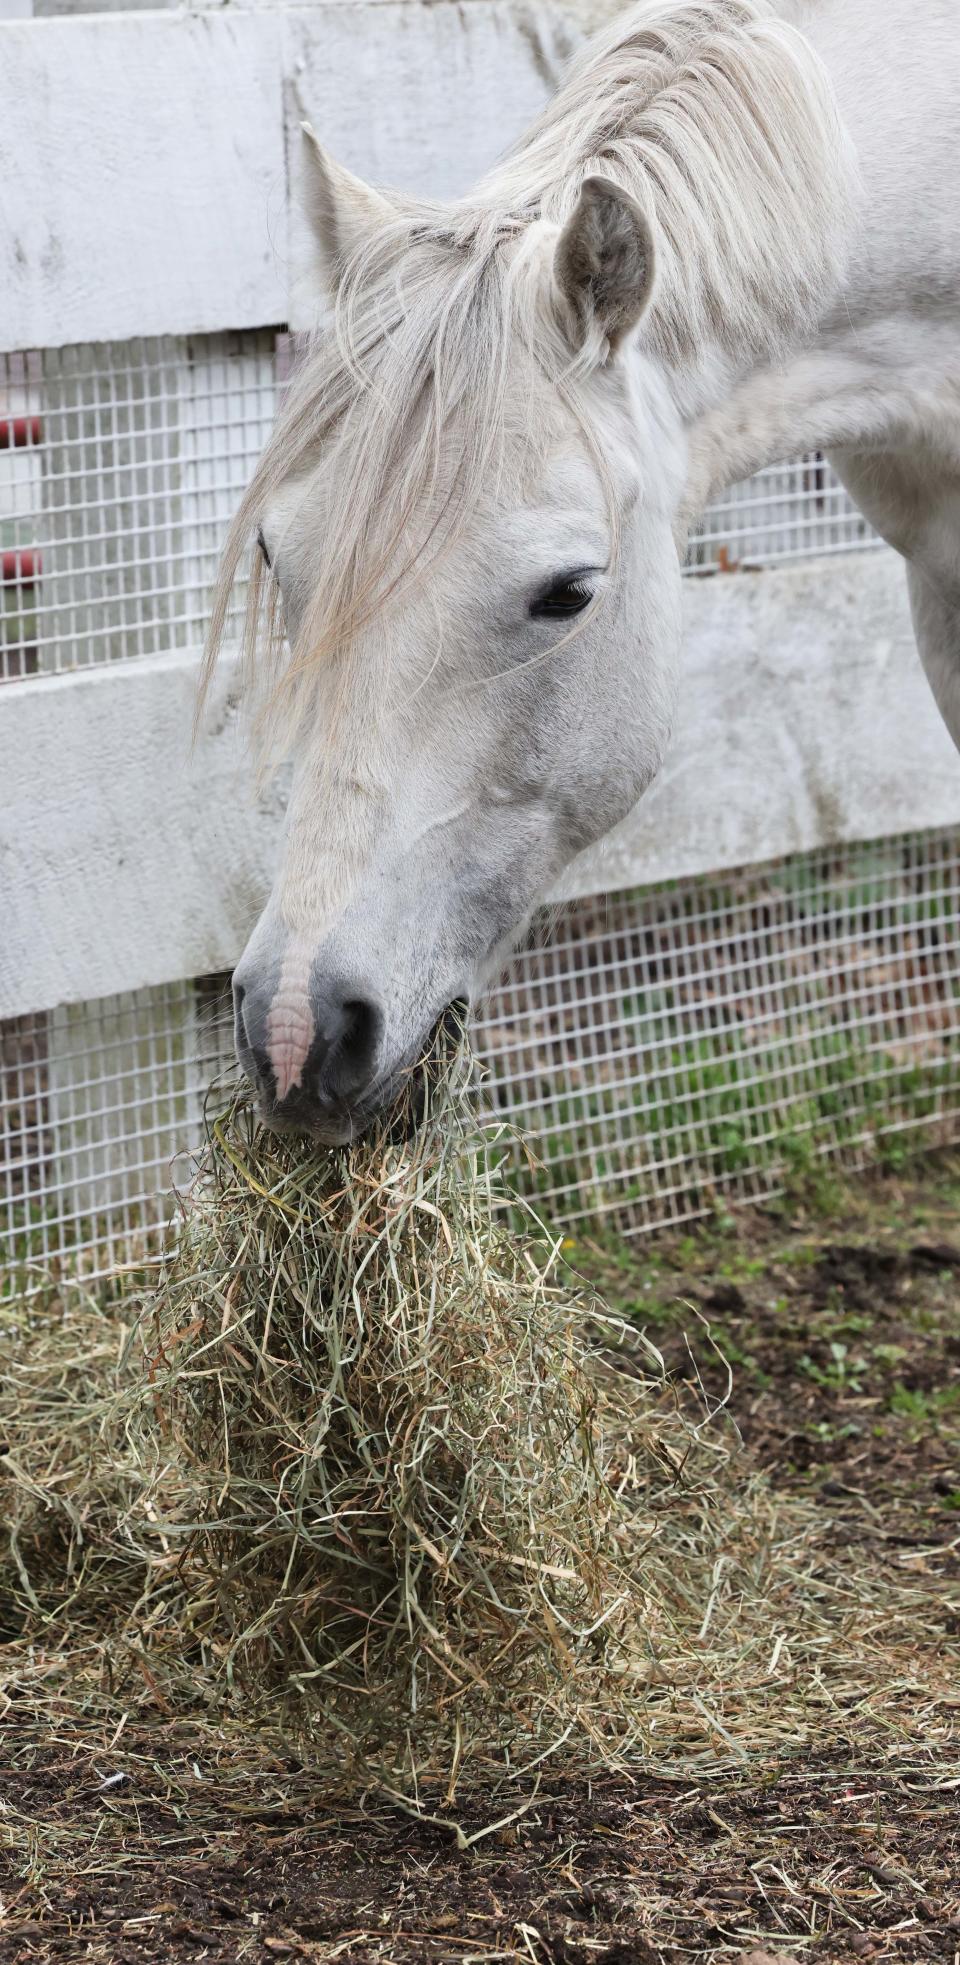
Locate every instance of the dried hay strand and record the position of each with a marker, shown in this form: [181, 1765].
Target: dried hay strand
[362, 1478]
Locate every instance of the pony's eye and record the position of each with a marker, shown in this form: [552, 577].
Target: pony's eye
[261, 542]
[562, 598]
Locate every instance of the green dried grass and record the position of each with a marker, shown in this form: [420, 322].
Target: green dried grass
[358, 1477]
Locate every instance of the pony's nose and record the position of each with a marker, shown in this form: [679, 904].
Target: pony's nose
[311, 1061]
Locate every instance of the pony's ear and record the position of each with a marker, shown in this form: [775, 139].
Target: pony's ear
[342, 211]
[604, 263]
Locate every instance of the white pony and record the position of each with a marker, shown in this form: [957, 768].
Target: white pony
[731, 237]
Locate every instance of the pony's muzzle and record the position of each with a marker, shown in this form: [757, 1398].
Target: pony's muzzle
[310, 1054]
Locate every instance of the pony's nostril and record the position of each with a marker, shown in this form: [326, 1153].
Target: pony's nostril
[360, 1035]
[352, 1027]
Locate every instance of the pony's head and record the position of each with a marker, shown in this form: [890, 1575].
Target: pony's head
[464, 520]
[464, 525]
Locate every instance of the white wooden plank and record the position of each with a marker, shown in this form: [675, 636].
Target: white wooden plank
[123, 854]
[143, 175]
[422, 95]
[125, 861]
[143, 157]
[805, 719]
[415, 96]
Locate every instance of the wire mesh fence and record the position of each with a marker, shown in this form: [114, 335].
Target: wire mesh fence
[713, 1038]
[659, 1048]
[786, 512]
[663, 1051]
[121, 466]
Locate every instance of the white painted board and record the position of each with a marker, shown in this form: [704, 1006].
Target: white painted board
[125, 860]
[420, 96]
[142, 176]
[145, 159]
[805, 719]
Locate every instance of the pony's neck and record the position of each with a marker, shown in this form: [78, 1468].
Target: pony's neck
[717, 117]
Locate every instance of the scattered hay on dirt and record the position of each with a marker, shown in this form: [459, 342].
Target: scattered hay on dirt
[353, 1482]
[353, 1470]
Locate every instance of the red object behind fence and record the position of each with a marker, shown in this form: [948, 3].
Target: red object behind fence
[18, 432]
[20, 566]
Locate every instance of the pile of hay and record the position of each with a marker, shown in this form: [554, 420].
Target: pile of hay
[357, 1479]
[354, 1467]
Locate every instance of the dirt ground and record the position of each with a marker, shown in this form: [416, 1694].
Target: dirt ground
[841, 1324]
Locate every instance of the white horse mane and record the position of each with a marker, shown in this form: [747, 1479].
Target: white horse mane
[720, 122]
[717, 118]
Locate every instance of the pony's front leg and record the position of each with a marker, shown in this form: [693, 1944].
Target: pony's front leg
[914, 504]
[936, 624]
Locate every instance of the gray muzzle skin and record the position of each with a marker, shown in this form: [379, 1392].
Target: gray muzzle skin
[333, 1084]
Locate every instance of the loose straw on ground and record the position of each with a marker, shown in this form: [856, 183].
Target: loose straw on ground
[354, 1476]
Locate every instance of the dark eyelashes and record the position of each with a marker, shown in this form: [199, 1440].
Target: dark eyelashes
[565, 596]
